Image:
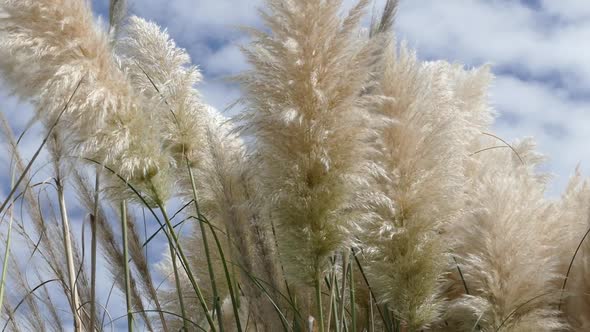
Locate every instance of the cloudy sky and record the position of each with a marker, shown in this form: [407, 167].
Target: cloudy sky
[537, 49]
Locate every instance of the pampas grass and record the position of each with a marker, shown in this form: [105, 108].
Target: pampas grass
[360, 189]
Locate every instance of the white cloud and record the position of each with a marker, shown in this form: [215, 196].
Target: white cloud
[543, 84]
[537, 51]
[540, 54]
[558, 123]
[570, 10]
[227, 60]
[197, 20]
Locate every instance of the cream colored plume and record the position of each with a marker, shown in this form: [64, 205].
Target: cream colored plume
[305, 111]
[418, 192]
[163, 73]
[47, 48]
[573, 215]
[505, 245]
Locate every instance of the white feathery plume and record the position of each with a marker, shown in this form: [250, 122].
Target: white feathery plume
[418, 192]
[305, 111]
[227, 199]
[47, 47]
[573, 215]
[162, 72]
[505, 245]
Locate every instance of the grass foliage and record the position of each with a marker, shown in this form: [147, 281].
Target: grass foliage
[358, 189]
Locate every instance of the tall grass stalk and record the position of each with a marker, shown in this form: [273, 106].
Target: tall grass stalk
[93, 225]
[345, 264]
[351, 287]
[74, 296]
[187, 267]
[174, 258]
[232, 291]
[318, 302]
[216, 299]
[8, 241]
[333, 305]
[126, 264]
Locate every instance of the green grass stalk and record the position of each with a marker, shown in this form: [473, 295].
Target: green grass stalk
[126, 264]
[345, 264]
[93, 222]
[173, 257]
[216, 300]
[232, 291]
[318, 298]
[185, 263]
[7, 250]
[352, 297]
[69, 255]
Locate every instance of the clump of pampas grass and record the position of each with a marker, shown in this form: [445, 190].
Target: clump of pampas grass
[303, 107]
[359, 189]
[418, 190]
[505, 245]
[61, 57]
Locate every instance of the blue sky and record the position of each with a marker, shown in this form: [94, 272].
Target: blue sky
[538, 50]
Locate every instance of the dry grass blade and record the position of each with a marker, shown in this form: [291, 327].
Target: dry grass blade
[387, 20]
[108, 242]
[39, 325]
[117, 13]
[144, 273]
[36, 155]
[571, 264]
[346, 140]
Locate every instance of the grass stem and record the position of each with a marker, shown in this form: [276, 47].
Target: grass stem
[126, 264]
[75, 298]
[93, 221]
[7, 250]
[318, 297]
[216, 300]
[187, 268]
[352, 297]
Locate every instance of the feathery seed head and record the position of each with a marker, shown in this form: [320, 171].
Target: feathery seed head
[303, 100]
[54, 45]
[161, 71]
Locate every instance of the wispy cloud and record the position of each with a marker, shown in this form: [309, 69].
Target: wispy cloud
[536, 49]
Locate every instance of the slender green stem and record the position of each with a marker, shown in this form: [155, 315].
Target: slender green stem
[333, 305]
[93, 221]
[371, 292]
[216, 300]
[5, 263]
[7, 250]
[38, 151]
[177, 283]
[187, 268]
[371, 316]
[232, 291]
[345, 263]
[126, 264]
[339, 298]
[318, 297]
[352, 297]
[69, 255]
[233, 270]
